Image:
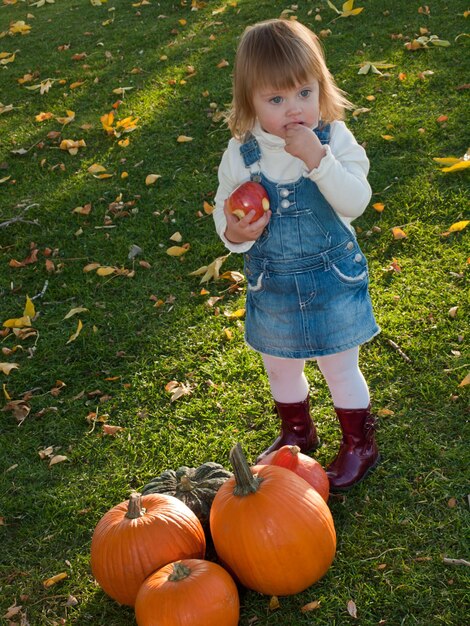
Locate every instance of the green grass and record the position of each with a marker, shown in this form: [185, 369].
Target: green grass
[395, 528]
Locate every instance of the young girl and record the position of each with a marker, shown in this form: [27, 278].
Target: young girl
[307, 293]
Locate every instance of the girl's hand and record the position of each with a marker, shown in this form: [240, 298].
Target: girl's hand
[240, 231]
[302, 143]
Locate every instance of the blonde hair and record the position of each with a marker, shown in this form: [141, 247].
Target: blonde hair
[280, 54]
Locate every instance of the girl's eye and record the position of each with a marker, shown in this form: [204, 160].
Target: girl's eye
[305, 93]
[276, 100]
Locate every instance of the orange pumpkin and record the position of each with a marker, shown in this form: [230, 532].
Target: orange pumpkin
[304, 466]
[271, 529]
[191, 592]
[141, 535]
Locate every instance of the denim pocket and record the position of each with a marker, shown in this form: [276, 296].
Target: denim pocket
[255, 283]
[351, 270]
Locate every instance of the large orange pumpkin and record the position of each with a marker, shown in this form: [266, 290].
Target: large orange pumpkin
[271, 529]
[304, 466]
[141, 535]
[191, 592]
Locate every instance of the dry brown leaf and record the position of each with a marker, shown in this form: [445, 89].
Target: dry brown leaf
[176, 237]
[352, 609]
[177, 389]
[57, 458]
[465, 381]
[233, 276]
[310, 606]
[208, 208]
[108, 429]
[14, 609]
[274, 603]
[19, 408]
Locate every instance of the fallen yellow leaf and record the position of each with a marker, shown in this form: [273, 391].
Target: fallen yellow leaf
[19, 322]
[183, 139]
[177, 250]
[91, 267]
[7, 367]
[74, 311]
[105, 270]
[76, 333]
[235, 314]
[66, 120]
[457, 226]
[152, 178]
[96, 168]
[42, 117]
[29, 310]
[398, 233]
[54, 579]
[19, 27]
[379, 206]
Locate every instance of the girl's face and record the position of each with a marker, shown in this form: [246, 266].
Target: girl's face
[277, 108]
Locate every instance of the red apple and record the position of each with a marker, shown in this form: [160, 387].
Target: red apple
[246, 197]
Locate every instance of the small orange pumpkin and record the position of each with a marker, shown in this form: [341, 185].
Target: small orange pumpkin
[271, 529]
[137, 537]
[304, 466]
[191, 592]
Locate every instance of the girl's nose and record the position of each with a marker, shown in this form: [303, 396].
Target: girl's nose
[294, 109]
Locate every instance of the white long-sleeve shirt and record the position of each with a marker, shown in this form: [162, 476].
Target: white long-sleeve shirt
[341, 176]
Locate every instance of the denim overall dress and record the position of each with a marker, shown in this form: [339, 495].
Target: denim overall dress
[307, 292]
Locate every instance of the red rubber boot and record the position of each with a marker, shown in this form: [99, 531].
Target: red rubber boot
[297, 427]
[358, 453]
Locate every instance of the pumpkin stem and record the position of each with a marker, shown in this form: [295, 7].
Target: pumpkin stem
[186, 484]
[180, 572]
[246, 482]
[135, 508]
[294, 450]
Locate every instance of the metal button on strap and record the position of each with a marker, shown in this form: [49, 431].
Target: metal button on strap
[284, 193]
[350, 245]
[358, 258]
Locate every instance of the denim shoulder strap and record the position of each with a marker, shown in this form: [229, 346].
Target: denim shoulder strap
[323, 133]
[250, 151]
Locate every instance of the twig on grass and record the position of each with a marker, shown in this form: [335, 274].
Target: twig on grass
[396, 347]
[42, 292]
[456, 561]
[19, 218]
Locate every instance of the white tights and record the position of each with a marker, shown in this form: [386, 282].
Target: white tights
[345, 381]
